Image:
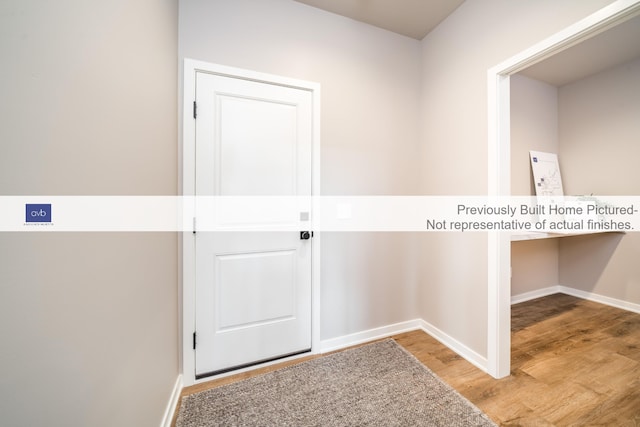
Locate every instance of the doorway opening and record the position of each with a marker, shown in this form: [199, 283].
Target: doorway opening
[499, 160]
[273, 260]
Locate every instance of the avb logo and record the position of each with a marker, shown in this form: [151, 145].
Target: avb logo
[38, 213]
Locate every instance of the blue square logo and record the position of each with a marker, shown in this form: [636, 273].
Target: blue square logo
[535, 160]
[38, 213]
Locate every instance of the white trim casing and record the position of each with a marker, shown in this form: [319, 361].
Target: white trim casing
[369, 335]
[188, 189]
[172, 406]
[467, 353]
[499, 249]
[398, 328]
[538, 293]
[613, 302]
[499, 292]
[578, 293]
[362, 337]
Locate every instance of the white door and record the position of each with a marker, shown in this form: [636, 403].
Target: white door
[253, 288]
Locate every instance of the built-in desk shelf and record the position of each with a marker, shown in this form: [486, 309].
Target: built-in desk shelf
[535, 235]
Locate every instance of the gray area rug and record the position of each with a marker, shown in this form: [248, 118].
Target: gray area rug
[379, 384]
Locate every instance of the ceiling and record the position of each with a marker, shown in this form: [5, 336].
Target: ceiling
[416, 18]
[412, 18]
[608, 49]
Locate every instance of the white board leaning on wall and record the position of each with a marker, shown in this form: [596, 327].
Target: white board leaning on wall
[546, 174]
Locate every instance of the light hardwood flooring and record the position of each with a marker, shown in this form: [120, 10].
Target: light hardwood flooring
[573, 363]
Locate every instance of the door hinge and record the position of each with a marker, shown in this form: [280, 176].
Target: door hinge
[195, 110]
[194, 225]
[194, 340]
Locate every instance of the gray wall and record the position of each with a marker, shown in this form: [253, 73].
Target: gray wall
[88, 321]
[592, 124]
[382, 136]
[534, 126]
[599, 128]
[456, 57]
[369, 127]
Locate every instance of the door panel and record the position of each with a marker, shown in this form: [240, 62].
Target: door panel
[260, 149]
[253, 288]
[246, 280]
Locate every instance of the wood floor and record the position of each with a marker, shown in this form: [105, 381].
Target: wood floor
[574, 363]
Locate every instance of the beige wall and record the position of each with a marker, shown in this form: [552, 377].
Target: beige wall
[534, 126]
[599, 148]
[599, 130]
[369, 130]
[456, 57]
[88, 321]
[369, 117]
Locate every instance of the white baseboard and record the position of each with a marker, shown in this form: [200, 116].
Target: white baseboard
[538, 293]
[345, 341]
[172, 406]
[470, 355]
[613, 302]
[397, 328]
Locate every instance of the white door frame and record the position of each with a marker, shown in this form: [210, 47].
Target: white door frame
[499, 173]
[188, 192]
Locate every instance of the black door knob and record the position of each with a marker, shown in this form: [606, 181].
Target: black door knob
[305, 235]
